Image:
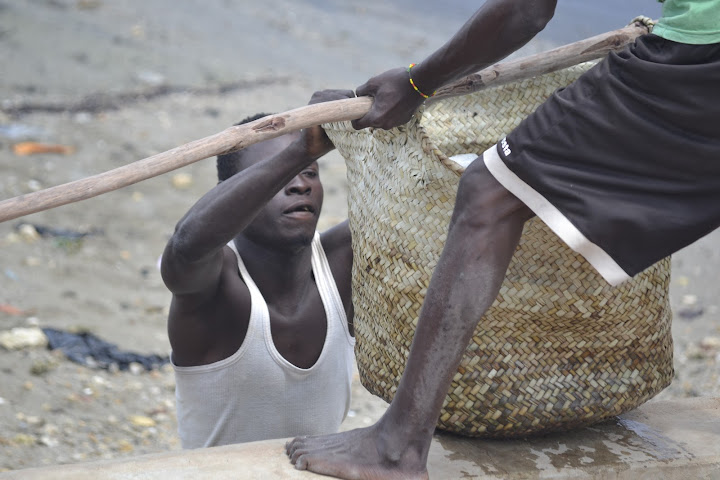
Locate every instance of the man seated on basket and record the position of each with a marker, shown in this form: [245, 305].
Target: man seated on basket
[261, 309]
[623, 165]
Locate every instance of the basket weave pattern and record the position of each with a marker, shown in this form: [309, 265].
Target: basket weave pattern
[559, 348]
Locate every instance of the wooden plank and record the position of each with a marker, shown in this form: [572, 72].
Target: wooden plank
[675, 439]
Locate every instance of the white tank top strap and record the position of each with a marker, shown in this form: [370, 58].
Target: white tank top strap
[259, 313]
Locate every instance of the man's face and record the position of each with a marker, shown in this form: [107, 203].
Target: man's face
[290, 218]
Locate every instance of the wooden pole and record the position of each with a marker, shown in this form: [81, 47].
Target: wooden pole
[562, 57]
[241, 136]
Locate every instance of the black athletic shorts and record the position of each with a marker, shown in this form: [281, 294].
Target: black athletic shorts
[624, 163]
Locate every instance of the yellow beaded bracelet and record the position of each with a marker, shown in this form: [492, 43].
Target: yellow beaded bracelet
[415, 86]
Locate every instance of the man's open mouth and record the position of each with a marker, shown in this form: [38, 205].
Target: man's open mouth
[300, 208]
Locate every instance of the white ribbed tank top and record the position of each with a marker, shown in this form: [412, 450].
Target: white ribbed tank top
[256, 394]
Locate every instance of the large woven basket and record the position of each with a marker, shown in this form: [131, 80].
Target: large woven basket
[559, 348]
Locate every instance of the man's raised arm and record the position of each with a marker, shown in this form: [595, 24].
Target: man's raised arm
[193, 258]
[496, 30]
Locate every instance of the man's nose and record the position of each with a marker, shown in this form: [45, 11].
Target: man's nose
[298, 186]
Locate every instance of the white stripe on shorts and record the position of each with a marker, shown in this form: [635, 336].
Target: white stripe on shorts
[553, 218]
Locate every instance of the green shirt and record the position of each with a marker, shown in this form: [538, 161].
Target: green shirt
[690, 21]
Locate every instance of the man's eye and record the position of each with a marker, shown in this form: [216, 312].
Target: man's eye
[310, 174]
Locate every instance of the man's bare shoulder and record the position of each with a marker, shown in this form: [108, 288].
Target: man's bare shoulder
[207, 327]
[337, 237]
[337, 243]
[227, 285]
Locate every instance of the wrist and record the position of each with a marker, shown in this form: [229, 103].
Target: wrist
[418, 83]
[304, 151]
[298, 150]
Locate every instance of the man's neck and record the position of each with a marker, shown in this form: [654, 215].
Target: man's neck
[282, 275]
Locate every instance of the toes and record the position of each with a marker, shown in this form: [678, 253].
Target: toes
[299, 449]
[294, 444]
[296, 454]
[289, 446]
[301, 463]
[319, 463]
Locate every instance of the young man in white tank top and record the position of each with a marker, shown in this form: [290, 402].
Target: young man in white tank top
[261, 309]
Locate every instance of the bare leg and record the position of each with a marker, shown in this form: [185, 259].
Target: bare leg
[484, 231]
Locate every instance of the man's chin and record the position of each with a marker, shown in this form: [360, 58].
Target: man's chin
[295, 238]
[301, 239]
[291, 237]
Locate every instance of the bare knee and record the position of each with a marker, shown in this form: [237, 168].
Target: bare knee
[482, 202]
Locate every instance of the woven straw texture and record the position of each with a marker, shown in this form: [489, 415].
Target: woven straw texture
[559, 348]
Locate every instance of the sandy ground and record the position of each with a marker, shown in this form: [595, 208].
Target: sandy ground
[120, 81]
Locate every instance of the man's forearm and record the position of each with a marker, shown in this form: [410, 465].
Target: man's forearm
[229, 207]
[496, 30]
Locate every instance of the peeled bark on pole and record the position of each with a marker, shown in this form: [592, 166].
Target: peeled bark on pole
[240, 136]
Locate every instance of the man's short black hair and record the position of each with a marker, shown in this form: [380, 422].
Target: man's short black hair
[229, 163]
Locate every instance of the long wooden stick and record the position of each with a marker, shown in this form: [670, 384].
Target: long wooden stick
[552, 60]
[241, 136]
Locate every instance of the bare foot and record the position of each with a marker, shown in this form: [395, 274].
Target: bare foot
[361, 454]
